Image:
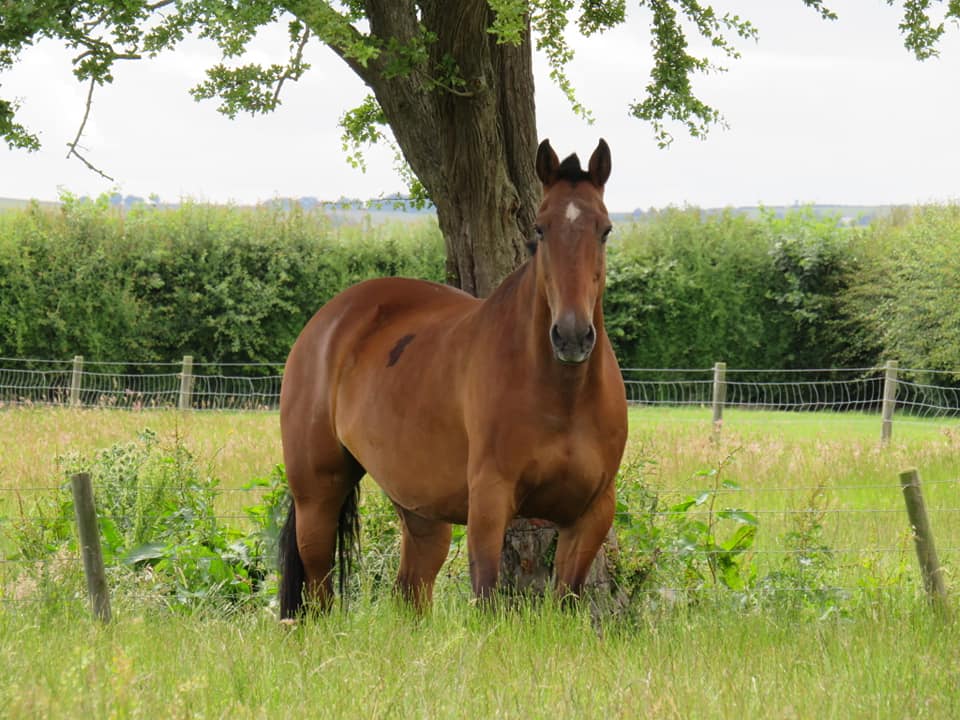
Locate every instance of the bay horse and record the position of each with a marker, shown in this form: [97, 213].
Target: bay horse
[464, 411]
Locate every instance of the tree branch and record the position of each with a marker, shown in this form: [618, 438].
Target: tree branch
[295, 62]
[335, 31]
[73, 145]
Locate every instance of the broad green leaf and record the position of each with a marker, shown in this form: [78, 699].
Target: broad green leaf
[145, 553]
[737, 515]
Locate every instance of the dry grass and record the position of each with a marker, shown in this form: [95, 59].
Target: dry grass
[234, 446]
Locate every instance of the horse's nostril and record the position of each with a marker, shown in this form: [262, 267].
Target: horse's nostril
[555, 335]
[591, 336]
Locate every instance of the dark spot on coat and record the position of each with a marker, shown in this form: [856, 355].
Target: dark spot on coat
[398, 349]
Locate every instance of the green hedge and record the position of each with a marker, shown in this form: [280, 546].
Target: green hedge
[222, 284]
[683, 290]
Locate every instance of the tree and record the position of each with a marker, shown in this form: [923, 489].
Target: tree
[453, 80]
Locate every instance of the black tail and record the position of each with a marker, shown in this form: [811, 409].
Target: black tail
[348, 537]
[292, 573]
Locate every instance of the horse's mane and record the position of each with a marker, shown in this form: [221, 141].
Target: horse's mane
[571, 171]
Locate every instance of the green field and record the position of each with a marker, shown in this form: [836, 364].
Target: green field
[874, 649]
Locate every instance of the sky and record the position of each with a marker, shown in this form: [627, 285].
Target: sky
[817, 112]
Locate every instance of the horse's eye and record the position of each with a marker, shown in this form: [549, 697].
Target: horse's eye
[537, 237]
[606, 234]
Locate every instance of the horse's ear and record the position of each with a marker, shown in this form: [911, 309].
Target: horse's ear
[547, 163]
[600, 164]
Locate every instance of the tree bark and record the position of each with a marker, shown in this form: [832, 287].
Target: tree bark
[472, 146]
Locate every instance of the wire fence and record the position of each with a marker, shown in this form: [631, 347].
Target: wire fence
[867, 543]
[141, 386]
[917, 393]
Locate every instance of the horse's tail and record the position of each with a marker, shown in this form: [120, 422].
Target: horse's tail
[348, 537]
[292, 573]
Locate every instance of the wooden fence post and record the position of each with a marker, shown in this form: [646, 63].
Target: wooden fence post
[719, 395]
[89, 534]
[923, 539]
[76, 381]
[889, 400]
[186, 383]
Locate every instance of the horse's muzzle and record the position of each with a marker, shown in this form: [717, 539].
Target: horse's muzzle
[572, 341]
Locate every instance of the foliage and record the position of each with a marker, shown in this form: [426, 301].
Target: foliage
[684, 289]
[106, 32]
[156, 514]
[906, 294]
[221, 284]
[677, 554]
[806, 577]
[691, 546]
[814, 261]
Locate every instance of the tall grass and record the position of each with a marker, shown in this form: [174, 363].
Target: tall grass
[376, 661]
[885, 655]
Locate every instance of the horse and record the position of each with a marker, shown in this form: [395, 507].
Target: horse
[464, 411]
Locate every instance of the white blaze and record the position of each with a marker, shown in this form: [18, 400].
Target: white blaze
[573, 212]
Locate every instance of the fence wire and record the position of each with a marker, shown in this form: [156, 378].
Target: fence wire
[256, 386]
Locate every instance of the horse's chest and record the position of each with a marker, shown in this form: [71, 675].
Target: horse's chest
[560, 480]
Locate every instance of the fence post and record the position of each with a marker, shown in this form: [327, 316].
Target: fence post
[923, 539]
[889, 400]
[76, 381]
[89, 533]
[719, 395]
[186, 383]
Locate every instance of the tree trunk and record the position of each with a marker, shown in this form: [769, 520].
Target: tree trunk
[473, 147]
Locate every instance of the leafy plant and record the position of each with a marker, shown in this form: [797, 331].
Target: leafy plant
[690, 545]
[805, 577]
[157, 512]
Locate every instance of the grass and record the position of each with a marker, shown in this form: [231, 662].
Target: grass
[376, 661]
[884, 655]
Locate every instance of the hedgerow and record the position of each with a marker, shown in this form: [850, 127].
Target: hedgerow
[684, 289]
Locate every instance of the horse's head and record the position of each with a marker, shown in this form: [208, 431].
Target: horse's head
[571, 229]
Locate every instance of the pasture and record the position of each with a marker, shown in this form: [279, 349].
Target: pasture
[831, 619]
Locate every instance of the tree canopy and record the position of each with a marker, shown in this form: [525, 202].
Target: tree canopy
[105, 32]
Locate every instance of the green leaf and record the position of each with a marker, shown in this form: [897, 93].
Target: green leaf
[145, 553]
[683, 506]
[740, 516]
[741, 540]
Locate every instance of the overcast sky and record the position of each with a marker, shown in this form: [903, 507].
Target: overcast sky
[819, 112]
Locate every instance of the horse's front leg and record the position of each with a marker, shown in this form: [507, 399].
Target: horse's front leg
[578, 544]
[491, 507]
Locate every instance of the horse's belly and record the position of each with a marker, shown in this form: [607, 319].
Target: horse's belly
[416, 457]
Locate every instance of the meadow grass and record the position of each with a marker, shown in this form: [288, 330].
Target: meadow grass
[882, 655]
[376, 661]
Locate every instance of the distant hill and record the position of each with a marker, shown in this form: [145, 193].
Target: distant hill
[845, 214]
[400, 208]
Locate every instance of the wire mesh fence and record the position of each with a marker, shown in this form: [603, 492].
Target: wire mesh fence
[141, 386]
[865, 542]
[918, 393]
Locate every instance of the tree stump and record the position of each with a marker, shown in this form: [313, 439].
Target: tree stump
[526, 563]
